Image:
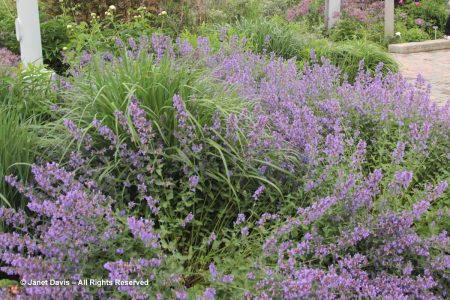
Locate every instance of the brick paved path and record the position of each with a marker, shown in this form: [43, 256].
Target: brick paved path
[434, 67]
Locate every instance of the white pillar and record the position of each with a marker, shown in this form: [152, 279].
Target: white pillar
[28, 32]
[332, 12]
[388, 18]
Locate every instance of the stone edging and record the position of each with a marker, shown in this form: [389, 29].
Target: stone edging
[419, 46]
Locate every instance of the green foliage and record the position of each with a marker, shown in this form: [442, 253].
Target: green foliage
[415, 35]
[273, 35]
[4, 283]
[81, 10]
[110, 88]
[99, 35]
[352, 29]
[348, 29]
[54, 38]
[270, 8]
[7, 27]
[25, 100]
[53, 33]
[29, 93]
[415, 23]
[232, 10]
[433, 12]
[348, 54]
[288, 41]
[17, 147]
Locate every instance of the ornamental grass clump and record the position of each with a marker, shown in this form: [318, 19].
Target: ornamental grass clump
[19, 149]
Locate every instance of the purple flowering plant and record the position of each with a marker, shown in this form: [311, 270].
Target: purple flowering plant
[313, 187]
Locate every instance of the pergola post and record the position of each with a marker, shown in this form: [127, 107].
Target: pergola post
[332, 13]
[388, 18]
[28, 32]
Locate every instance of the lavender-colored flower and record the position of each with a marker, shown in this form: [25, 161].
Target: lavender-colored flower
[209, 293]
[213, 271]
[85, 59]
[212, 238]
[77, 134]
[182, 115]
[334, 146]
[250, 275]
[132, 43]
[244, 231]
[193, 182]
[267, 217]
[140, 122]
[267, 40]
[363, 197]
[187, 220]
[108, 57]
[144, 230]
[358, 157]
[197, 148]
[186, 48]
[403, 178]
[399, 153]
[161, 46]
[262, 170]
[203, 46]
[181, 294]
[223, 34]
[105, 131]
[232, 126]
[316, 210]
[227, 278]
[258, 192]
[119, 43]
[152, 204]
[76, 160]
[240, 219]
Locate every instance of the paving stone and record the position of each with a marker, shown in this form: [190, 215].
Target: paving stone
[434, 66]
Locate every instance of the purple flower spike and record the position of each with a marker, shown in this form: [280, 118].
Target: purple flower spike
[403, 178]
[258, 192]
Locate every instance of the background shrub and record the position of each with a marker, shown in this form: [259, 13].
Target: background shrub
[81, 10]
[53, 32]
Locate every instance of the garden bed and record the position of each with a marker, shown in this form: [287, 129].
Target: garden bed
[241, 160]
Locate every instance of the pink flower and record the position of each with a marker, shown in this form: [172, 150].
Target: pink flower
[419, 21]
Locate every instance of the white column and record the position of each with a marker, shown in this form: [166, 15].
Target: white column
[28, 32]
[388, 18]
[332, 12]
